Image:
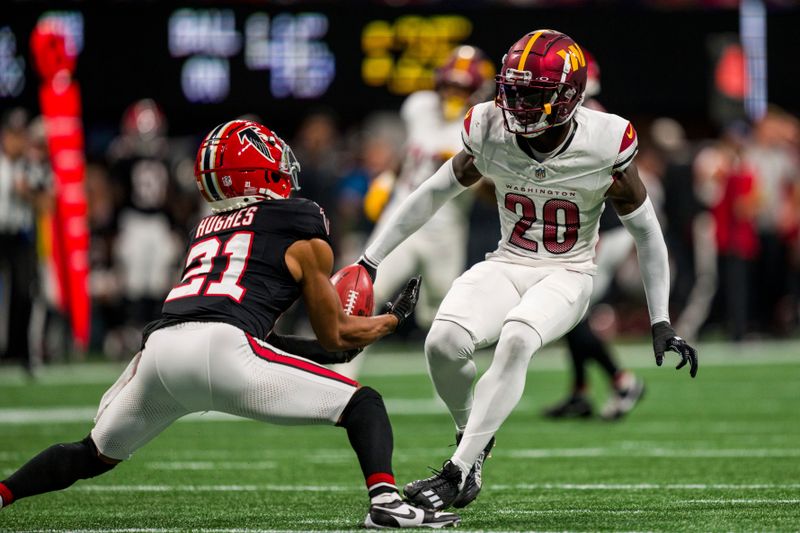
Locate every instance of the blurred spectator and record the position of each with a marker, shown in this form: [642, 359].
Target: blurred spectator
[318, 144]
[21, 185]
[775, 168]
[104, 280]
[731, 188]
[146, 247]
[379, 149]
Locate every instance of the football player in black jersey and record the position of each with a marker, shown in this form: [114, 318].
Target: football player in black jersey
[212, 348]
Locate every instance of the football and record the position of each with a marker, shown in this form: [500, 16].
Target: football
[355, 290]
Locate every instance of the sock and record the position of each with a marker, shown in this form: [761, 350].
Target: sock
[498, 391]
[448, 350]
[584, 341]
[370, 434]
[6, 497]
[382, 488]
[55, 468]
[575, 342]
[622, 381]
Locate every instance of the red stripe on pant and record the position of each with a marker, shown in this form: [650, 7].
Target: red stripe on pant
[380, 477]
[301, 364]
[6, 495]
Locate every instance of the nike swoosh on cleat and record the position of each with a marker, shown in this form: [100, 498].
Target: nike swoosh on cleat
[408, 516]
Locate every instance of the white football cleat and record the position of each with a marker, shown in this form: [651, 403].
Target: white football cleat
[399, 514]
[623, 399]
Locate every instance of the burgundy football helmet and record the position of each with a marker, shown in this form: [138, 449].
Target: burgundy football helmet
[466, 67]
[241, 162]
[541, 83]
[468, 70]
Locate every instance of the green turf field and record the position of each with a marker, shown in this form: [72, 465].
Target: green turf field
[719, 453]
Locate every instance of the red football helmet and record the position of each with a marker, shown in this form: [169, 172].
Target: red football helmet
[241, 162]
[541, 83]
[144, 119]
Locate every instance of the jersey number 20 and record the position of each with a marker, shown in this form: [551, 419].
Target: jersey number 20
[551, 224]
[194, 282]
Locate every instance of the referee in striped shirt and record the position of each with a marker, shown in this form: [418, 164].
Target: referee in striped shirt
[20, 188]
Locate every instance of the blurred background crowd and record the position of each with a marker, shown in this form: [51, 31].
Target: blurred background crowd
[726, 180]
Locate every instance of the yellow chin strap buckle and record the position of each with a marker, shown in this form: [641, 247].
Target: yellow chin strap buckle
[548, 109]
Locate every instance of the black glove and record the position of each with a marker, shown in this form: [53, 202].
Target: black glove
[371, 270]
[664, 338]
[405, 302]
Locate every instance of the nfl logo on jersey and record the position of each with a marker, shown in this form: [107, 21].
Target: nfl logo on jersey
[539, 173]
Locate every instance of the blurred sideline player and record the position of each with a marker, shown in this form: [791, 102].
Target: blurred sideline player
[433, 123]
[553, 164]
[147, 248]
[245, 265]
[614, 247]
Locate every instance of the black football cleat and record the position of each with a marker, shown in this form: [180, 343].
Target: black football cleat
[576, 406]
[474, 480]
[402, 514]
[438, 491]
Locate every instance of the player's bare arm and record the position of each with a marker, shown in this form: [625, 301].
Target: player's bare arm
[310, 263]
[627, 192]
[464, 169]
[629, 198]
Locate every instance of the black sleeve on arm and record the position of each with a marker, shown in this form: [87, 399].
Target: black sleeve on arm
[310, 349]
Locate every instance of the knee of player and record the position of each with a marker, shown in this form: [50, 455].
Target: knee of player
[519, 340]
[365, 402]
[95, 462]
[448, 341]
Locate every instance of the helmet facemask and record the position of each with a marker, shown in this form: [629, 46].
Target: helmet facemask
[531, 107]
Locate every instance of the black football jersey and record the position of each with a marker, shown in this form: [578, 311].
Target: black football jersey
[145, 182]
[234, 270]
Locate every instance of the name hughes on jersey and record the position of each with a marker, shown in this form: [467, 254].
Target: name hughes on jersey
[213, 223]
[540, 190]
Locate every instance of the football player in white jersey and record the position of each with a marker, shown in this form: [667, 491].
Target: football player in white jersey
[553, 164]
[433, 123]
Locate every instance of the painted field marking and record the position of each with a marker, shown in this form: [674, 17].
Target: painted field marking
[745, 500]
[412, 362]
[210, 465]
[516, 486]
[649, 452]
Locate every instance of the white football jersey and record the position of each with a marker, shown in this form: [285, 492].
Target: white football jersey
[550, 211]
[431, 140]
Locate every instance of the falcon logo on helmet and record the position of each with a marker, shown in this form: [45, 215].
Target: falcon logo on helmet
[541, 83]
[241, 162]
[251, 136]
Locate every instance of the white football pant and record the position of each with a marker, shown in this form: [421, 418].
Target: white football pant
[520, 307]
[147, 251]
[208, 366]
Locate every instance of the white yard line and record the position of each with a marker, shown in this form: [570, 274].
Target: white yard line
[745, 500]
[644, 486]
[649, 452]
[622, 487]
[396, 406]
[211, 465]
[412, 362]
[218, 488]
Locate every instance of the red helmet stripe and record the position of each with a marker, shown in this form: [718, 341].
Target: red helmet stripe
[524, 57]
